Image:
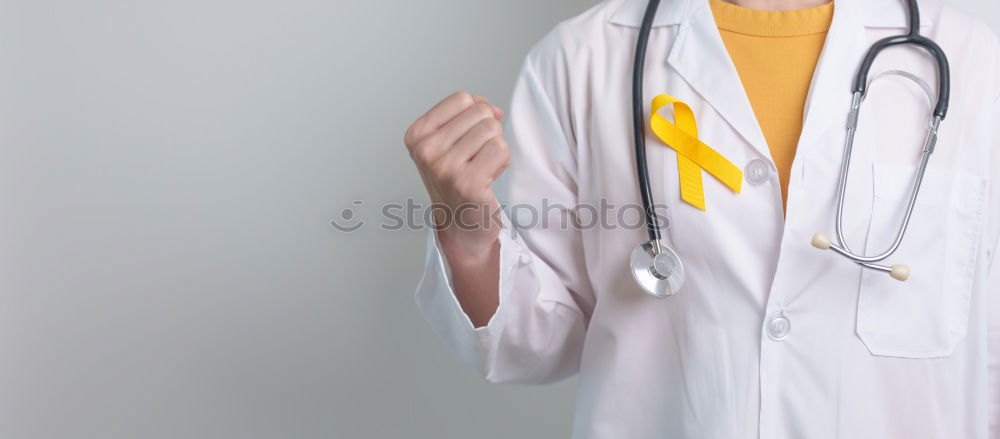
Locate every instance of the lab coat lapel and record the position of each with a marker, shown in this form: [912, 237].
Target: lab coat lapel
[701, 58]
[830, 92]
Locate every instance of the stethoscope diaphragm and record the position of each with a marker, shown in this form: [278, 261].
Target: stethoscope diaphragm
[657, 269]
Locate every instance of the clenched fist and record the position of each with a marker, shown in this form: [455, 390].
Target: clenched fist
[459, 150]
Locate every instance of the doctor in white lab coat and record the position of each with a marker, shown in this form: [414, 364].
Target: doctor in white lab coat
[855, 354]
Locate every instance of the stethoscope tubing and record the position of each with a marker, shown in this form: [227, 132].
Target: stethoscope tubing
[639, 125]
[861, 85]
[912, 37]
[860, 89]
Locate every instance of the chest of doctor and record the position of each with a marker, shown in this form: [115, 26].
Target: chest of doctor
[748, 261]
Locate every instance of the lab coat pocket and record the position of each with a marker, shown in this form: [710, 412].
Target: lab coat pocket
[925, 316]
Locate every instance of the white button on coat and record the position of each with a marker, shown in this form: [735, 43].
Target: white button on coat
[757, 172]
[695, 366]
[778, 327]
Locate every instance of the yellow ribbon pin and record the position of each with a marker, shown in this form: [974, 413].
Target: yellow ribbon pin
[692, 154]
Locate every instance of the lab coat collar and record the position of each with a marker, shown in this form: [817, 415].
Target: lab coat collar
[877, 13]
[700, 57]
[670, 12]
[846, 44]
[830, 92]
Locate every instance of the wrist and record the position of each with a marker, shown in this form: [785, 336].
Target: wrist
[464, 250]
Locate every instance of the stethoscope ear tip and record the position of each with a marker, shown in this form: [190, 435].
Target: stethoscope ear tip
[821, 241]
[900, 272]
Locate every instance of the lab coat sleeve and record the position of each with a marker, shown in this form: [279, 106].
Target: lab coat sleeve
[993, 288]
[536, 334]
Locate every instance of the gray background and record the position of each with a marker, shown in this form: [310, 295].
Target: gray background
[167, 173]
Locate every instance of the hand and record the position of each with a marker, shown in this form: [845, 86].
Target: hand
[459, 150]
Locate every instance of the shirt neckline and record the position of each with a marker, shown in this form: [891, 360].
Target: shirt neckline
[764, 23]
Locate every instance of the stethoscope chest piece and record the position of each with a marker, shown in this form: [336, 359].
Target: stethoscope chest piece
[657, 269]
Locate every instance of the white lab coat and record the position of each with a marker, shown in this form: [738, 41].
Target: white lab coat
[865, 357]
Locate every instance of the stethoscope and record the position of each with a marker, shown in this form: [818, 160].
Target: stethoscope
[658, 269]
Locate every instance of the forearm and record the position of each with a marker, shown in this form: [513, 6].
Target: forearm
[475, 277]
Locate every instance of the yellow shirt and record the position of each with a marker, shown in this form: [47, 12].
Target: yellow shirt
[775, 53]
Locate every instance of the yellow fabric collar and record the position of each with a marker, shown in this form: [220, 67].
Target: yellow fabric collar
[772, 23]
